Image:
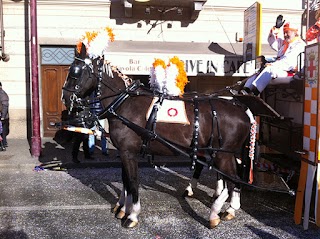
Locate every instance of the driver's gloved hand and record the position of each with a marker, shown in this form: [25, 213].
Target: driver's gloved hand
[279, 21]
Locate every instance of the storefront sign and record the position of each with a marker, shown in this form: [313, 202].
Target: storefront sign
[215, 65]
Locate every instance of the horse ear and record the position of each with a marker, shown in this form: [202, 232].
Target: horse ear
[83, 52]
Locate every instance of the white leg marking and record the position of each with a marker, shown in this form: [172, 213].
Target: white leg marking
[218, 203]
[136, 208]
[219, 188]
[235, 200]
[192, 184]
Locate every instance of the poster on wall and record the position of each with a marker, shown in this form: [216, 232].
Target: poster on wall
[252, 33]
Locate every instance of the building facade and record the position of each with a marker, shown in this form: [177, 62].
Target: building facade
[206, 34]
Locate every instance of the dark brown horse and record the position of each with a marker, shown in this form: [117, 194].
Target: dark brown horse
[218, 126]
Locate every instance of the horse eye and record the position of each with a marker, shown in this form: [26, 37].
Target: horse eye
[77, 87]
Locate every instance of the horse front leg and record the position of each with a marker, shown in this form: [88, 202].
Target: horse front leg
[132, 205]
[120, 208]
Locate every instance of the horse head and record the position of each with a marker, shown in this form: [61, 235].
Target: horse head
[92, 74]
[82, 79]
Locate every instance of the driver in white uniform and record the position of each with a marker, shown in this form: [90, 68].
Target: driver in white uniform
[289, 47]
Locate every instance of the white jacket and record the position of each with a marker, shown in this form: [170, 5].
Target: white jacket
[286, 59]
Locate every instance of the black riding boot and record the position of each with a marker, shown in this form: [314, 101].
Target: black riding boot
[255, 91]
[246, 89]
[77, 139]
[2, 148]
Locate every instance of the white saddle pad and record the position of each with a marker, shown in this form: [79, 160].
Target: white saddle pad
[171, 111]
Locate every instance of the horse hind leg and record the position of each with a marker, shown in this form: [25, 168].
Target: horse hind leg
[230, 213]
[216, 208]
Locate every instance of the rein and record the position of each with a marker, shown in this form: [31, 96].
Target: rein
[236, 180]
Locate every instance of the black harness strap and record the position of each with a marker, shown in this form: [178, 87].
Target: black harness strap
[151, 125]
[119, 100]
[195, 139]
[214, 123]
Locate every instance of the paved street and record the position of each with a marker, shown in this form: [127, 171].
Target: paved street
[74, 201]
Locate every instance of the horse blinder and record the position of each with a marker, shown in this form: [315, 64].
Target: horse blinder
[75, 72]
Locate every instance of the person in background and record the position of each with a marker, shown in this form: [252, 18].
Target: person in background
[2, 148]
[95, 109]
[313, 33]
[79, 138]
[4, 101]
[289, 48]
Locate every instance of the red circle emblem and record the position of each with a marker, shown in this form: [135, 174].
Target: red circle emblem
[172, 112]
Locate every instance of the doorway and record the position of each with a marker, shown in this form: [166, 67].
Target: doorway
[55, 62]
[53, 78]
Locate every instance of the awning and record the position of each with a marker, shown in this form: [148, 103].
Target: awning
[216, 59]
[213, 59]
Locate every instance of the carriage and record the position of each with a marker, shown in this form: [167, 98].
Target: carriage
[220, 130]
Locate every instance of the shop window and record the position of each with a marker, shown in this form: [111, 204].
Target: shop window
[57, 55]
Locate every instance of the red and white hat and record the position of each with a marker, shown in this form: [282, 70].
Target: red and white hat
[288, 26]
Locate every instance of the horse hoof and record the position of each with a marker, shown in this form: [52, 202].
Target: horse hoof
[227, 216]
[120, 215]
[128, 223]
[214, 223]
[116, 209]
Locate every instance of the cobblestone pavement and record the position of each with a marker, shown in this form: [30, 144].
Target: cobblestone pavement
[75, 201]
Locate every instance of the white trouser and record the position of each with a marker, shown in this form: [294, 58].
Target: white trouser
[263, 79]
[91, 142]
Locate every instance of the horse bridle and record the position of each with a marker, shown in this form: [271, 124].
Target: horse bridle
[103, 66]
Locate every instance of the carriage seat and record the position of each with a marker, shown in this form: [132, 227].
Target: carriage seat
[291, 76]
[293, 84]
